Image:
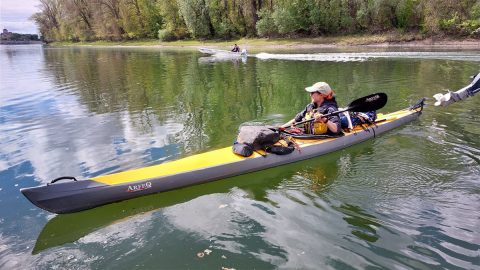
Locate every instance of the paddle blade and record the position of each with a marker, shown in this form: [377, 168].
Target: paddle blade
[368, 103]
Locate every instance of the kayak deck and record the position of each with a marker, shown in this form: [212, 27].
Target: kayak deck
[212, 158]
[208, 159]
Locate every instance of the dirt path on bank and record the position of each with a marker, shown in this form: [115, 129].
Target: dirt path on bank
[303, 43]
[426, 43]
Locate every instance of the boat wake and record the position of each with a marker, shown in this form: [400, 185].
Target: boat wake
[360, 57]
[322, 57]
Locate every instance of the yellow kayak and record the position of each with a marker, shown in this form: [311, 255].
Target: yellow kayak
[73, 196]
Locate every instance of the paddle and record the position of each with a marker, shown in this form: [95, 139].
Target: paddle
[365, 104]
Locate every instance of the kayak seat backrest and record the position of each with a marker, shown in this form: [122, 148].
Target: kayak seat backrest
[345, 120]
[349, 120]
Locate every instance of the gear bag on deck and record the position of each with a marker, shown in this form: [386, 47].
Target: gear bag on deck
[252, 138]
[257, 137]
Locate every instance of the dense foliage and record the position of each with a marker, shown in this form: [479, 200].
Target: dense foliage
[19, 37]
[80, 20]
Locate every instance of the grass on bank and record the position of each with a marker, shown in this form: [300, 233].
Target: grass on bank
[359, 39]
[251, 43]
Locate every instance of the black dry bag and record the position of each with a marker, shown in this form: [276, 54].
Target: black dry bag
[251, 138]
[257, 137]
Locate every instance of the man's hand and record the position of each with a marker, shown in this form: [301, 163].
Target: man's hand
[319, 118]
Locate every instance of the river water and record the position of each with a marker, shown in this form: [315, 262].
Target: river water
[408, 199]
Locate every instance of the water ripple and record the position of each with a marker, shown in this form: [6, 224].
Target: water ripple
[407, 199]
[449, 239]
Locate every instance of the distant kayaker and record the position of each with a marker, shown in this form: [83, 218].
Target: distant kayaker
[323, 102]
[236, 48]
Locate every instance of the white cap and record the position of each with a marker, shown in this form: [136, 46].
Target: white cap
[321, 87]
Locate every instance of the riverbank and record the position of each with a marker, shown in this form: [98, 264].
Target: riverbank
[380, 40]
[20, 42]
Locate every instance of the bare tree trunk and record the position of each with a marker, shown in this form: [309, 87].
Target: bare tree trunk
[114, 7]
[84, 12]
[209, 20]
[139, 14]
[51, 11]
[253, 4]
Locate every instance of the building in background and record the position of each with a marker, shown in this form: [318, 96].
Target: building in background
[7, 37]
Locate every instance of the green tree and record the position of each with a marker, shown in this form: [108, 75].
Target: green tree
[172, 22]
[223, 18]
[364, 14]
[197, 18]
[153, 18]
[79, 18]
[109, 19]
[48, 19]
[266, 25]
[202, 19]
[463, 18]
[384, 16]
[330, 16]
[291, 16]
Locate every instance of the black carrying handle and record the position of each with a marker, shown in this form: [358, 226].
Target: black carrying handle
[63, 178]
[419, 104]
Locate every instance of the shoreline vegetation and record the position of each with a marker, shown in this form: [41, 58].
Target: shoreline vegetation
[254, 44]
[255, 23]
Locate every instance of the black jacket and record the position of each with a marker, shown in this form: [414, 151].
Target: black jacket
[328, 106]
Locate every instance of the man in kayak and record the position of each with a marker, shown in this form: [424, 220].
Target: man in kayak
[323, 102]
[236, 48]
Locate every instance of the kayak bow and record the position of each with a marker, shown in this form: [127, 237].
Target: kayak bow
[73, 196]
